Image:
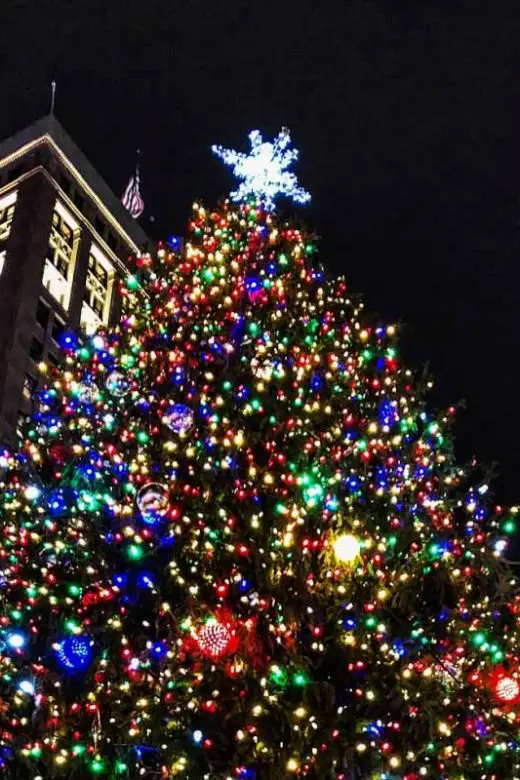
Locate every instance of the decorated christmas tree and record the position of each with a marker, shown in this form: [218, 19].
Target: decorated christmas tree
[235, 542]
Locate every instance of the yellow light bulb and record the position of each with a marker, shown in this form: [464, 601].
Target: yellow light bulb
[346, 548]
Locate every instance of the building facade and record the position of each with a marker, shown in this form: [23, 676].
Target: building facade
[64, 240]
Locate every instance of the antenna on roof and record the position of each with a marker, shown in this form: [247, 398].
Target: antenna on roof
[53, 96]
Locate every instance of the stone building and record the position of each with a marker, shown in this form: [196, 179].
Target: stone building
[64, 240]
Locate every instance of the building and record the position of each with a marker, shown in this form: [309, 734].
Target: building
[64, 239]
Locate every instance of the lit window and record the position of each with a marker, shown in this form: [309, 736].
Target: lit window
[61, 255]
[21, 423]
[7, 206]
[29, 386]
[98, 291]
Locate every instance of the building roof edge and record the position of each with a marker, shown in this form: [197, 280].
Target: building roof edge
[49, 127]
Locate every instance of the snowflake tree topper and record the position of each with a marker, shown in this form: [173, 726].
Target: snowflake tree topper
[264, 171]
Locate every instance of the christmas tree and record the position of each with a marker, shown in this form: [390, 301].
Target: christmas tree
[235, 542]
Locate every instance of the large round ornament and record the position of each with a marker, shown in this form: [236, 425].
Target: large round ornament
[74, 653]
[117, 384]
[505, 687]
[214, 639]
[87, 392]
[153, 502]
[178, 418]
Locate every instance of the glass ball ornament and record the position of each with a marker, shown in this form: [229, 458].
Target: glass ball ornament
[346, 548]
[178, 418]
[75, 653]
[153, 502]
[49, 556]
[214, 639]
[42, 429]
[87, 392]
[505, 687]
[117, 384]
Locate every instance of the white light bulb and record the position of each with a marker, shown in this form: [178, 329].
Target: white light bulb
[26, 686]
[346, 548]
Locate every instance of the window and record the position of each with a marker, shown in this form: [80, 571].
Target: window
[52, 360]
[36, 351]
[98, 291]
[112, 241]
[64, 183]
[79, 201]
[29, 387]
[42, 314]
[57, 330]
[7, 206]
[99, 225]
[61, 255]
[21, 422]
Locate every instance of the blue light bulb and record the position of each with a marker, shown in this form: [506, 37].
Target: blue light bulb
[16, 640]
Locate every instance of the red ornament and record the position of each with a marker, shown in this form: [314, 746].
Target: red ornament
[215, 639]
[505, 687]
[59, 453]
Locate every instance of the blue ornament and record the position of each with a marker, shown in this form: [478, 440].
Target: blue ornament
[75, 653]
[68, 340]
[59, 501]
[158, 650]
[145, 579]
[317, 382]
[175, 243]
[387, 413]
[254, 287]
[120, 580]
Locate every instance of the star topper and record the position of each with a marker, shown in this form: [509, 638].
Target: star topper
[264, 171]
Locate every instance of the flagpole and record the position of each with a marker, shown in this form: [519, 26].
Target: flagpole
[132, 200]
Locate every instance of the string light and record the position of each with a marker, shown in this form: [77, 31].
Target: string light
[346, 548]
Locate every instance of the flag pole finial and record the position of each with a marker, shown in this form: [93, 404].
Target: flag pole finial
[53, 96]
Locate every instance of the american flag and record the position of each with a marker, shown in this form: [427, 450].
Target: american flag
[132, 200]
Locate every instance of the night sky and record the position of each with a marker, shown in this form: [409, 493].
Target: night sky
[407, 115]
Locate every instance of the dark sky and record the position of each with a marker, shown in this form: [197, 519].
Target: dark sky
[407, 115]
